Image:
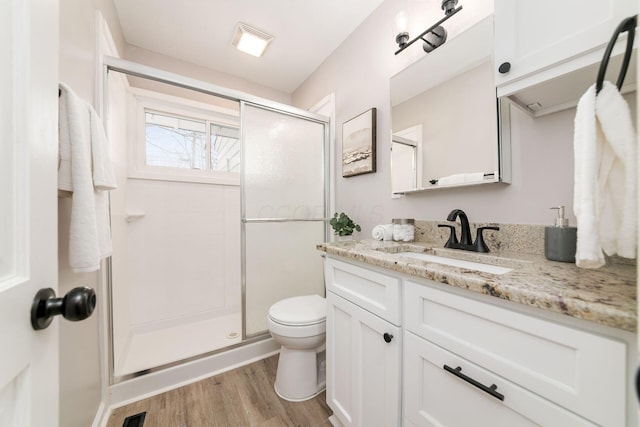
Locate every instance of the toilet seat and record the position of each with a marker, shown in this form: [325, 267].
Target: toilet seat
[299, 311]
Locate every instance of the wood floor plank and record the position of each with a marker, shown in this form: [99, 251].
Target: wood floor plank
[237, 398]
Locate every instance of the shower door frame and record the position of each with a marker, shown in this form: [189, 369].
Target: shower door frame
[130, 68]
[243, 213]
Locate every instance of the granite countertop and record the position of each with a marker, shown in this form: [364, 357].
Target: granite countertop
[606, 295]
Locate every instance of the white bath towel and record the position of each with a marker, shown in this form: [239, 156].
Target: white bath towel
[378, 232]
[85, 172]
[605, 201]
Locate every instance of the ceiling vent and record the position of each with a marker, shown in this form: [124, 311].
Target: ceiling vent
[251, 40]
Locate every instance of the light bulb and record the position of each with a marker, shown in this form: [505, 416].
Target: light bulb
[402, 22]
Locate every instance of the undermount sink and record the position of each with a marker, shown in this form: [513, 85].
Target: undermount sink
[478, 266]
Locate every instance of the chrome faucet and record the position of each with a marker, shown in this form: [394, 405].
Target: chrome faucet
[465, 233]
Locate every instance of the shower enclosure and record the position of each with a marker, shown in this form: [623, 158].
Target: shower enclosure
[221, 200]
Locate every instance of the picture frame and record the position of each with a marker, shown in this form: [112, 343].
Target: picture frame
[359, 144]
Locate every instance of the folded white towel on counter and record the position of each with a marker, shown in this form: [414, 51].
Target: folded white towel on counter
[382, 232]
[378, 232]
[605, 202]
[388, 232]
[84, 172]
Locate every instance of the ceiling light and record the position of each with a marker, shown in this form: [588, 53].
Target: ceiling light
[251, 40]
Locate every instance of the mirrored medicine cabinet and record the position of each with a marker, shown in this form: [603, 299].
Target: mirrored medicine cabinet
[448, 128]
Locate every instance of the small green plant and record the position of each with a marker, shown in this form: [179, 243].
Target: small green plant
[343, 225]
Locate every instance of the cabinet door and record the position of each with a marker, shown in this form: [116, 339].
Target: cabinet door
[363, 369]
[535, 35]
[435, 397]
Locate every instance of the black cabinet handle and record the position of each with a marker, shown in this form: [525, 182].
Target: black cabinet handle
[491, 389]
[387, 337]
[504, 68]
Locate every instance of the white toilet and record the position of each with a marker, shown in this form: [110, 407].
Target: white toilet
[298, 324]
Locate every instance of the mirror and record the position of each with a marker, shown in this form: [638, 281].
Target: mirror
[448, 128]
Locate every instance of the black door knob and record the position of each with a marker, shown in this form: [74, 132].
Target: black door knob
[387, 337]
[504, 67]
[77, 304]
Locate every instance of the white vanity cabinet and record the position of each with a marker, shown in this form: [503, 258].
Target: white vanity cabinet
[364, 343]
[472, 363]
[544, 39]
[458, 358]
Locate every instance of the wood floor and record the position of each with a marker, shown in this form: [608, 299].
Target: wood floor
[241, 397]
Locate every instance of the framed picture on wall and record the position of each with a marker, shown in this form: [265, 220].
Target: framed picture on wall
[359, 144]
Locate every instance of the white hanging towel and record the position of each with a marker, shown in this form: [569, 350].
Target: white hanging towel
[605, 200]
[86, 173]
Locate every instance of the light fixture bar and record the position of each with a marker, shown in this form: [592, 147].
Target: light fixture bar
[431, 28]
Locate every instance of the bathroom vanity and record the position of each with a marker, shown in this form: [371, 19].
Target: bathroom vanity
[418, 335]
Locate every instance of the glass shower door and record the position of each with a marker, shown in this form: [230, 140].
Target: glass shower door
[284, 208]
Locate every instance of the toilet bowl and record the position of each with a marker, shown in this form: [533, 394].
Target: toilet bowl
[298, 324]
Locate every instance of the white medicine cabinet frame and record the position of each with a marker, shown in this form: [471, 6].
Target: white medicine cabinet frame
[448, 127]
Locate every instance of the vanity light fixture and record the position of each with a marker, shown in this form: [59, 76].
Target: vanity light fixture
[251, 40]
[433, 36]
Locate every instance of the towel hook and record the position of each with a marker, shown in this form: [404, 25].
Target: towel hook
[629, 24]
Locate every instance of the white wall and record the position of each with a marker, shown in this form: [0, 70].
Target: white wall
[80, 386]
[358, 72]
[167, 63]
[80, 377]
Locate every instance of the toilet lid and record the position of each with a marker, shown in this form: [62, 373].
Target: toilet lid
[305, 310]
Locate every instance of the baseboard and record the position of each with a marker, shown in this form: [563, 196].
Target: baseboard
[167, 379]
[335, 422]
[102, 416]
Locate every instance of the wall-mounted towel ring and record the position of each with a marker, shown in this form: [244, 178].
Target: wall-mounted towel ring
[629, 24]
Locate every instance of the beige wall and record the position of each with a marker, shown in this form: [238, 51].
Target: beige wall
[358, 72]
[457, 116]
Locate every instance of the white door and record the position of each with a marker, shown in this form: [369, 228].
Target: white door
[28, 209]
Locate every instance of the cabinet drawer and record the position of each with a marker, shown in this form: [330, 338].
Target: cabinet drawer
[436, 397]
[580, 371]
[373, 291]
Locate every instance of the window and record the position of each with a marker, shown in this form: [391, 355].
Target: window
[225, 148]
[180, 142]
[180, 139]
[175, 142]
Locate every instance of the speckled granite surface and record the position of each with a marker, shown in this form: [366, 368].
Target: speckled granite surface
[606, 295]
[520, 238]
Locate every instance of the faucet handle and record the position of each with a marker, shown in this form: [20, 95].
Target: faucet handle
[453, 239]
[479, 244]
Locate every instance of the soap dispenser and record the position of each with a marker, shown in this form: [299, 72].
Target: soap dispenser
[560, 239]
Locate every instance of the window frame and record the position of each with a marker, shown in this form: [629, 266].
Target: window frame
[149, 101]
